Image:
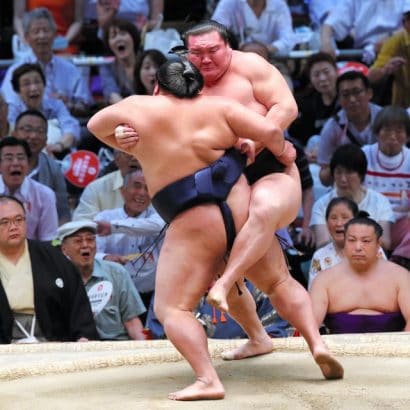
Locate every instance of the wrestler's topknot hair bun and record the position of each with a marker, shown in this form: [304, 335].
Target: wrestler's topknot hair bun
[180, 78]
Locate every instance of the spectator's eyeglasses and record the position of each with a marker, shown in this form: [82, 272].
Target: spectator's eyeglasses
[7, 222]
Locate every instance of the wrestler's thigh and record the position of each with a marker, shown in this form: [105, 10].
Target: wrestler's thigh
[279, 193]
[193, 248]
[270, 270]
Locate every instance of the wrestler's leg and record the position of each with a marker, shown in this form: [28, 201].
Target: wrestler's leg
[293, 304]
[185, 269]
[192, 251]
[275, 202]
[242, 308]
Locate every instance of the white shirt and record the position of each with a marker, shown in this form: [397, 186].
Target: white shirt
[368, 21]
[137, 238]
[376, 204]
[390, 176]
[272, 27]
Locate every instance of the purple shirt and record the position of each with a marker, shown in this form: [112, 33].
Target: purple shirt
[41, 210]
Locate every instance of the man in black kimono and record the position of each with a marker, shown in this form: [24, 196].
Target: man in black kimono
[42, 297]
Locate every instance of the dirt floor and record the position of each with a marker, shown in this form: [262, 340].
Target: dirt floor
[127, 375]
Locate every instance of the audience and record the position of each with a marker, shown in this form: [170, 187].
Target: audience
[105, 192]
[348, 168]
[117, 205]
[28, 82]
[394, 60]
[122, 39]
[339, 211]
[366, 23]
[39, 200]
[363, 293]
[68, 15]
[4, 122]
[266, 21]
[41, 294]
[115, 302]
[388, 172]
[143, 13]
[63, 79]
[352, 124]
[131, 235]
[319, 103]
[31, 126]
[149, 63]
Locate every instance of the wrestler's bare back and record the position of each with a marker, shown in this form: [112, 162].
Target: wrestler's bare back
[179, 136]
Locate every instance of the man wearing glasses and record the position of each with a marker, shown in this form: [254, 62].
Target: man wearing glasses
[42, 297]
[39, 200]
[31, 126]
[352, 124]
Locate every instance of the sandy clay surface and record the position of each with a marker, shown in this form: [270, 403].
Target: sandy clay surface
[126, 375]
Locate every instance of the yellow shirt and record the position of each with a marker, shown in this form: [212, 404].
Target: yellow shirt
[17, 280]
[397, 46]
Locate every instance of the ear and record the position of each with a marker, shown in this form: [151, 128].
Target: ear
[156, 89]
[370, 93]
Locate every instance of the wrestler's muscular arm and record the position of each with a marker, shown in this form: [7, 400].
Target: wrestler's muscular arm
[103, 123]
[271, 90]
[245, 123]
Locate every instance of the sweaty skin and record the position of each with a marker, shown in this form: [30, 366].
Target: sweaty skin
[275, 201]
[167, 151]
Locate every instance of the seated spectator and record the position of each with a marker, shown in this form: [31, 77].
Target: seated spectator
[118, 79]
[148, 65]
[42, 297]
[388, 172]
[131, 235]
[114, 300]
[339, 211]
[39, 200]
[352, 124]
[143, 13]
[348, 168]
[394, 60]
[268, 22]
[31, 126]
[319, 102]
[319, 10]
[219, 325]
[4, 122]
[366, 22]
[105, 192]
[28, 82]
[68, 15]
[63, 79]
[363, 293]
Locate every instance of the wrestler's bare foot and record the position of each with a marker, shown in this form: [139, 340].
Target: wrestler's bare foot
[217, 297]
[329, 366]
[200, 390]
[250, 349]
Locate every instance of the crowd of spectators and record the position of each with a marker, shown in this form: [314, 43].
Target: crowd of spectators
[352, 154]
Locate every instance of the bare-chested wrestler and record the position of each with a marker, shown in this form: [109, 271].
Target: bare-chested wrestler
[275, 198]
[187, 170]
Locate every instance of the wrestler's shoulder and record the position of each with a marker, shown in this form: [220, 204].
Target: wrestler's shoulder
[246, 61]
